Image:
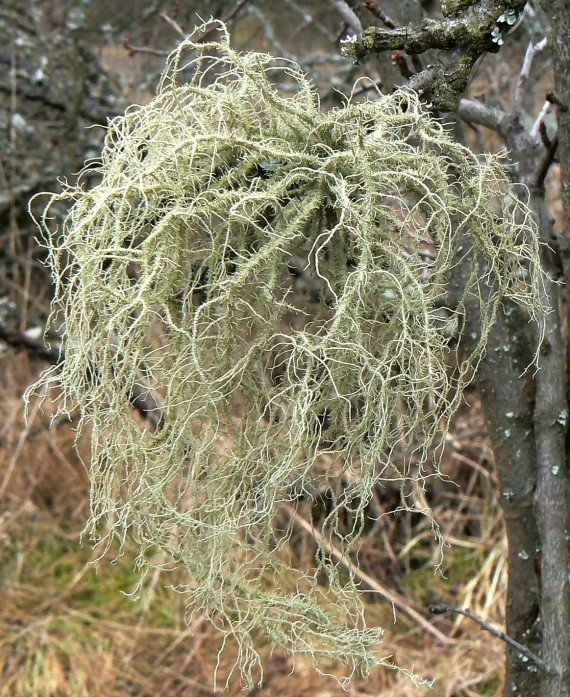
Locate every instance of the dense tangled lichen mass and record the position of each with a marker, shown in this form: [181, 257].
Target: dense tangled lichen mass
[178, 274]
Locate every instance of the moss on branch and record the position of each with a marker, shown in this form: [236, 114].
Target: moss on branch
[468, 30]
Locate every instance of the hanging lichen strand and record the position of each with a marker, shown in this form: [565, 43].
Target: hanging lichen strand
[179, 274]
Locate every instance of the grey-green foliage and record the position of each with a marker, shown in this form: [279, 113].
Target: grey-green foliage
[174, 275]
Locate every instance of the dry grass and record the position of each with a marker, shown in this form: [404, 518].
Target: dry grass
[69, 629]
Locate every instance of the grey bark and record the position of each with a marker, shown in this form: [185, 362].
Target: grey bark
[507, 392]
[551, 414]
[549, 425]
[558, 12]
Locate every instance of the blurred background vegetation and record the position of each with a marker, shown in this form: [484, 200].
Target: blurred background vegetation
[68, 628]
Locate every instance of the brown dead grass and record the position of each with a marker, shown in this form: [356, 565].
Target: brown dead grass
[68, 630]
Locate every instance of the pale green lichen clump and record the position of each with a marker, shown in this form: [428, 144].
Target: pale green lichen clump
[174, 274]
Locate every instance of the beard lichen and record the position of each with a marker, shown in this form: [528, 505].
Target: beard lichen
[178, 274]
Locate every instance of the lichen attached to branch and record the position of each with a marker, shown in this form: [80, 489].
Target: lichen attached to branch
[176, 274]
[467, 30]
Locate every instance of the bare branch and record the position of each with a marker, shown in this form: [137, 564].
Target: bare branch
[468, 30]
[180, 31]
[174, 24]
[535, 130]
[132, 49]
[372, 7]
[474, 111]
[145, 401]
[348, 15]
[422, 82]
[531, 52]
[494, 631]
[546, 163]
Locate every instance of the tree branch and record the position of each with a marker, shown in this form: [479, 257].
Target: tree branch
[468, 30]
[493, 630]
[474, 111]
[348, 14]
[143, 400]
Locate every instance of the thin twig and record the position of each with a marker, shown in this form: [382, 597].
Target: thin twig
[398, 58]
[372, 7]
[310, 21]
[131, 49]
[395, 598]
[441, 610]
[157, 52]
[543, 133]
[174, 24]
[226, 20]
[348, 15]
[520, 88]
[233, 13]
[546, 162]
[270, 36]
[535, 130]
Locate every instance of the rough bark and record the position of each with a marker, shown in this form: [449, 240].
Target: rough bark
[507, 396]
[551, 497]
[549, 424]
[558, 13]
[529, 447]
[550, 428]
[551, 419]
[469, 29]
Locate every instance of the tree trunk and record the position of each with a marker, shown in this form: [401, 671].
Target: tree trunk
[552, 496]
[507, 399]
[558, 14]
